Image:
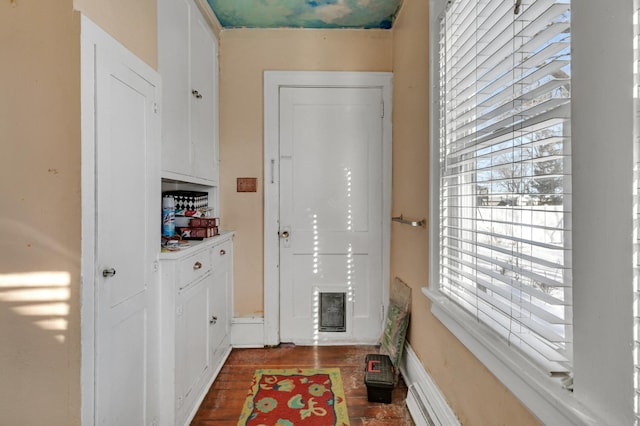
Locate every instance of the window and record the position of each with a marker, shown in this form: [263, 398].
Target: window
[505, 86]
[533, 223]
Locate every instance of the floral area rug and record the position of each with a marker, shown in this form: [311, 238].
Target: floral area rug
[296, 397]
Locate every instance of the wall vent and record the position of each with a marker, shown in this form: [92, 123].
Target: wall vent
[417, 407]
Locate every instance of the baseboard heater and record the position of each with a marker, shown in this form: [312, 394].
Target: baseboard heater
[427, 405]
[417, 405]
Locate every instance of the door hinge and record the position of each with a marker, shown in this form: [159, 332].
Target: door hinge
[381, 108]
[382, 313]
[155, 107]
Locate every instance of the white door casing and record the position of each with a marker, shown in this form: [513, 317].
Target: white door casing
[121, 222]
[327, 183]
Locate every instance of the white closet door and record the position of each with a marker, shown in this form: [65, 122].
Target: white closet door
[127, 237]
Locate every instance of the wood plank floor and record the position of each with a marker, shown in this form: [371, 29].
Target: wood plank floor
[224, 401]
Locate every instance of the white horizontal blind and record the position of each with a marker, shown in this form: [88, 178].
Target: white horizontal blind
[636, 205]
[505, 175]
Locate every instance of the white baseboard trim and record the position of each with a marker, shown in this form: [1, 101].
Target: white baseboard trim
[426, 403]
[247, 332]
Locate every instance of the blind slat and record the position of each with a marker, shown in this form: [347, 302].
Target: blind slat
[492, 307]
[498, 41]
[505, 267]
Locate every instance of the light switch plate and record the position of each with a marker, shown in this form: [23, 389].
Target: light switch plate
[247, 184]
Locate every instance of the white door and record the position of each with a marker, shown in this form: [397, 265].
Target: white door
[127, 237]
[331, 214]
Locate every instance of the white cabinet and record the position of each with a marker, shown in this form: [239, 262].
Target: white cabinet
[193, 359]
[220, 300]
[196, 300]
[188, 64]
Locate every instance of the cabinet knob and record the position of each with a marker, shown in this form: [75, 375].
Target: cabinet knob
[196, 94]
[197, 266]
[213, 320]
[223, 252]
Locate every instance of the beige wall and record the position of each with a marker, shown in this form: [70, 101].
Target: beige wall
[244, 55]
[40, 213]
[132, 23]
[40, 198]
[474, 393]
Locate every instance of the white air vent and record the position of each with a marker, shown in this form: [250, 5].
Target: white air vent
[425, 402]
[417, 405]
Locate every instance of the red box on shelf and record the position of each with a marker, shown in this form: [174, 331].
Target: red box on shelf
[204, 222]
[199, 233]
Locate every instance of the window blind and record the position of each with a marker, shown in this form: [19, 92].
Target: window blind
[636, 204]
[505, 171]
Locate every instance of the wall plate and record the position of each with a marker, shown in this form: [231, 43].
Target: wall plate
[247, 184]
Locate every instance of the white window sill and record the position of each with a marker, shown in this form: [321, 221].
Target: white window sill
[541, 394]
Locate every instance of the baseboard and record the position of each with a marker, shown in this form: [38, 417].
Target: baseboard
[427, 405]
[247, 332]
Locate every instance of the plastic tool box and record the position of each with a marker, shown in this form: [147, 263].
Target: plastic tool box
[379, 378]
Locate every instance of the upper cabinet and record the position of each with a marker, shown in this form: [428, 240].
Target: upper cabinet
[188, 64]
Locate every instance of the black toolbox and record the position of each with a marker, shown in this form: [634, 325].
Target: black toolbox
[379, 378]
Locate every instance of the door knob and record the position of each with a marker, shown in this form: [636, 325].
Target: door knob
[109, 272]
[284, 234]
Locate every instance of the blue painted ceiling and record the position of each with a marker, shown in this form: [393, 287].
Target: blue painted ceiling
[305, 13]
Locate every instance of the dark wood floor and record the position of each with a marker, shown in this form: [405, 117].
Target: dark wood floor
[224, 401]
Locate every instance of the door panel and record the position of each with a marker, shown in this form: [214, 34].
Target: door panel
[128, 336]
[194, 359]
[125, 181]
[331, 205]
[174, 18]
[127, 224]
[203, 110]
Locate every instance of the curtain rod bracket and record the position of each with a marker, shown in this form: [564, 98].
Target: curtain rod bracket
[417, 224]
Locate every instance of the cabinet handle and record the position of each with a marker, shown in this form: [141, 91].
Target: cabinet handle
[213, 320]
[109, 272]
[197, 266]
[196, 94]
[223, 252]
[273, 166]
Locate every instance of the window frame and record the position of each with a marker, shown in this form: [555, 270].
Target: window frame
[602, 34]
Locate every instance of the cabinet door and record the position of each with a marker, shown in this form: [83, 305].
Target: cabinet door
[219, 308]
[174, 18]
[204, 117]
[221, 298]
[193, 360]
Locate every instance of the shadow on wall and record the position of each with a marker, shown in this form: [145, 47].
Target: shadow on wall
[37, 353]
[34, 353]
[42, 298]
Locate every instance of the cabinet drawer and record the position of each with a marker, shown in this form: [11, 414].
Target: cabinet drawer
[193, 267]
[221, 253]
